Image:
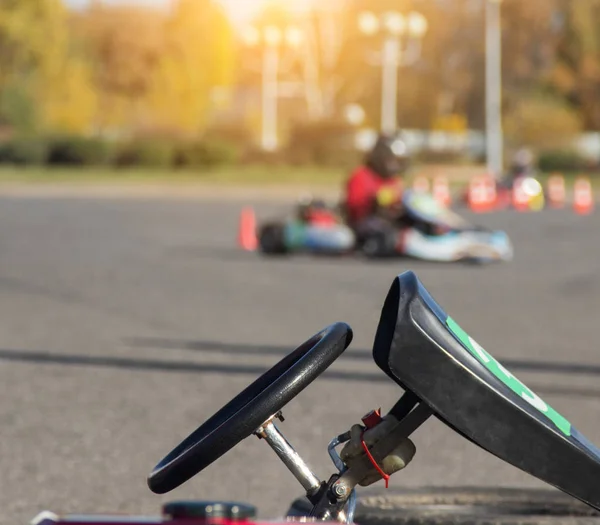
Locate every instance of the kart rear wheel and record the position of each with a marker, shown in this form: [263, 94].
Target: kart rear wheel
[379, 245]
[465, 506]
[271, 239]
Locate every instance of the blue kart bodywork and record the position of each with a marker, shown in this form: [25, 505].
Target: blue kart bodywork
[462, 242]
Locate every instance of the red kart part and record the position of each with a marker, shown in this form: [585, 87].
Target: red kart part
[372, 419]
[321, 218]
[151, 520]
[173, 513]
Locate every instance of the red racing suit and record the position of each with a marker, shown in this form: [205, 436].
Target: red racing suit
[362, 189]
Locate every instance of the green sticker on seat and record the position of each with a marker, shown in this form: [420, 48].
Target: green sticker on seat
[508, 379]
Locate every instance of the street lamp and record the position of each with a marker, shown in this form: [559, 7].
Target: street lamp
[272, 37]
[396, 27]
[493, 90]
[355, 114]
[417, 25]
[368, 23]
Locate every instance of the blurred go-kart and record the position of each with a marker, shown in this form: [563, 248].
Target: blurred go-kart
[432, 232]
[442, 372]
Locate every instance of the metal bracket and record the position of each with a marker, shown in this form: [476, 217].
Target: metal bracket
[405, 427]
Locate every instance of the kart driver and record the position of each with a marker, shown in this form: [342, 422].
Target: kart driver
[373, 202]
[372, 205]
[375, 210]
[523, 164]
[377, 185]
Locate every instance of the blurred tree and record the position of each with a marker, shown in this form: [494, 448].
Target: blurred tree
[32, 36]
[541, 121]
[123, 45]
[70, 103]
[449, 80]
[528, 49]
[18, 109]
[197, 57]
[436, 84]
[33, 40]
[529, 43]
[131, 68]
[448, 84]
[154, 70]
[576, 75]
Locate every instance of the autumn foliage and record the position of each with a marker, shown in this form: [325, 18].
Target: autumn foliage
[111, 68]
[171, 75]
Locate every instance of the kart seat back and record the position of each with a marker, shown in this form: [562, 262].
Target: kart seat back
[427, 353]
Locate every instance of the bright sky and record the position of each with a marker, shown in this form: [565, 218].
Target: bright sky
[239, 10]
[242, 10]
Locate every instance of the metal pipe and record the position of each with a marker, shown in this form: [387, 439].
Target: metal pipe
[290, 458]
[389, 95]
[493, 112]
[269, 97]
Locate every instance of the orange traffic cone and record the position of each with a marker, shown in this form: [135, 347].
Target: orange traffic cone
[441, 190]
[583, 199]
[477, 194]
[556, 191]
[491, 193]
[520, 200]
[247, 238]
[421, 184]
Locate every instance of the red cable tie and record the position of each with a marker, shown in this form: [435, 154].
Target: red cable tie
[372, 459]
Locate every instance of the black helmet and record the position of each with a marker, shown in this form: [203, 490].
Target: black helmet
[389, 157]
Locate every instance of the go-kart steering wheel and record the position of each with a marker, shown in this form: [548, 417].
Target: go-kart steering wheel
[244, 414]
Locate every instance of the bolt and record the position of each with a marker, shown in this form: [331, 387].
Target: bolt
[340, 490]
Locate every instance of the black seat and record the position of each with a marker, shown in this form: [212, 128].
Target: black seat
[425, 351]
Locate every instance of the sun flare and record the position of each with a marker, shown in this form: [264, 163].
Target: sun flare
[241, 11]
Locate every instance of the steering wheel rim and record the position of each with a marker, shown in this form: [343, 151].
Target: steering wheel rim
[244, 414]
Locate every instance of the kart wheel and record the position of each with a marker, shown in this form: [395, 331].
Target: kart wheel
[373, 247]
[379, 245]
[465, 506]
[271, 240]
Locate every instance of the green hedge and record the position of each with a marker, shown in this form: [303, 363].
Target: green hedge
[563, 161]
[146, 153]
[328, 143]
[206, 154]
[79, 151]
[24, 151]
[324, 143]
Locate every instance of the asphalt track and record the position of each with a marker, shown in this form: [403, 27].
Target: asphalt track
[125, 324]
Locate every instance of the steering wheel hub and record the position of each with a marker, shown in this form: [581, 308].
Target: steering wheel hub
[229, 510]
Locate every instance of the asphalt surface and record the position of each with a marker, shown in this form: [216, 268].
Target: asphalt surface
[125, 324]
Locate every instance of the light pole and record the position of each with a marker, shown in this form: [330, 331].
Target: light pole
[272, 37]
[394, 55]
[493, 91]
